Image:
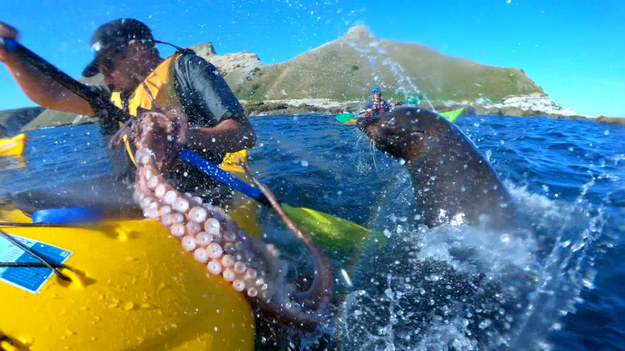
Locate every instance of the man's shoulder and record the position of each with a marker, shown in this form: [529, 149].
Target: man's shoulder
[192, 61]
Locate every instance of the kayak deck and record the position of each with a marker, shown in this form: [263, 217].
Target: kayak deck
[132, 285]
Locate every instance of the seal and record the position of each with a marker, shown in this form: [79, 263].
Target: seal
[451, 179]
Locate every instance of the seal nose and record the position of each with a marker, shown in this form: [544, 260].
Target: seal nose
[365, 122]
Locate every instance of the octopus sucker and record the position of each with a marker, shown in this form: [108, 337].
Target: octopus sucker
[252, 292]
[160, 190]
[174, 217]
[227, 260]
[196, 201]
[152, 182]
[192, 228]
[215, 240]
[239, 267]
[170, 197]
[181, 205]
[147, 201]
[200, 255]
[228, 274]
[164, 210]
[166, 221]
[238, 285]
[214, 250]
[212, 226]
[203, 239]
[151, 212]
[177, 229]
[144, 156]
[188, 242]
[198, 214]
[214, 267]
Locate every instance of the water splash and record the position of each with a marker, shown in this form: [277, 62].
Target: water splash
[460, 287]
[374, 52]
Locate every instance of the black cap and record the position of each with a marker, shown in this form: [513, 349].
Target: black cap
[116, 34]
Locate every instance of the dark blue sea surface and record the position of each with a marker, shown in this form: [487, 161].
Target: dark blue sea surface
[556, 283]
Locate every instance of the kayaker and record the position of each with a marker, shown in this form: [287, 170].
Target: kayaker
[126, 55]
[376, 105]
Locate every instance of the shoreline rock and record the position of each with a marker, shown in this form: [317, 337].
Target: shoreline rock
[12, 121]
[520, 106]
[533, 105]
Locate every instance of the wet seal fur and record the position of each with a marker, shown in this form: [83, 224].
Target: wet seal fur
[451, 179]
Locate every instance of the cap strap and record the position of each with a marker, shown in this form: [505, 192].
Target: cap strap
[178, 48]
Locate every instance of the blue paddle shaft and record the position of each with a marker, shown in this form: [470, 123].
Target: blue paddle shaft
[222, 176]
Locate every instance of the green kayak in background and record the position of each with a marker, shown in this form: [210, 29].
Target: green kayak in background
[348, 116]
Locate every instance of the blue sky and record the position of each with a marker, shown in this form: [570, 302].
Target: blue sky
[575, 50]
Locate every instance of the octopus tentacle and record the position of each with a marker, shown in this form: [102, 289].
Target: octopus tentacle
[319, 295]
[215, 240]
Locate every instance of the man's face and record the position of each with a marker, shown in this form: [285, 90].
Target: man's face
[118, 69]
[376, 96]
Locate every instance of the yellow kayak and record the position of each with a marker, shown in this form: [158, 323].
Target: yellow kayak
[13, 146]
[133, 287]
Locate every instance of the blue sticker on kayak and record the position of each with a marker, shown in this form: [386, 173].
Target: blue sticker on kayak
[30, 279]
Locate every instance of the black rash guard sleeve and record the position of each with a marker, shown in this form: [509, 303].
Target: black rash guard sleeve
[204, 94]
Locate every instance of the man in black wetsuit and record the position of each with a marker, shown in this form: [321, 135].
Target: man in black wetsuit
[126, 55]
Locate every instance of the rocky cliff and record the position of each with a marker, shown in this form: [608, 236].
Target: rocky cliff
[12, 121]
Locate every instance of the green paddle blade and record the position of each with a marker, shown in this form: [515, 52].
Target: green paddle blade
[452, 115]
[414, 101]
[344, 117]
[339, 237]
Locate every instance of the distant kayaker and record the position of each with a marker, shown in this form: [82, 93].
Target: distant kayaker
[126, 55]
[376, 105]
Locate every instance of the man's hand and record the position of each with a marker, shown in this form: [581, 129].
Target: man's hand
[8, 32]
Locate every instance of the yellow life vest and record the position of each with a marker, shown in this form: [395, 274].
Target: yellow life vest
[160, 83]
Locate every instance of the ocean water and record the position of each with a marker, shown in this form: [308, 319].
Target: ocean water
[556, 283]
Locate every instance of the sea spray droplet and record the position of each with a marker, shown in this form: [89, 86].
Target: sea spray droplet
[348, 281]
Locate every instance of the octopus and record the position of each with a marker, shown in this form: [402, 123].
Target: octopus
[253, 267]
